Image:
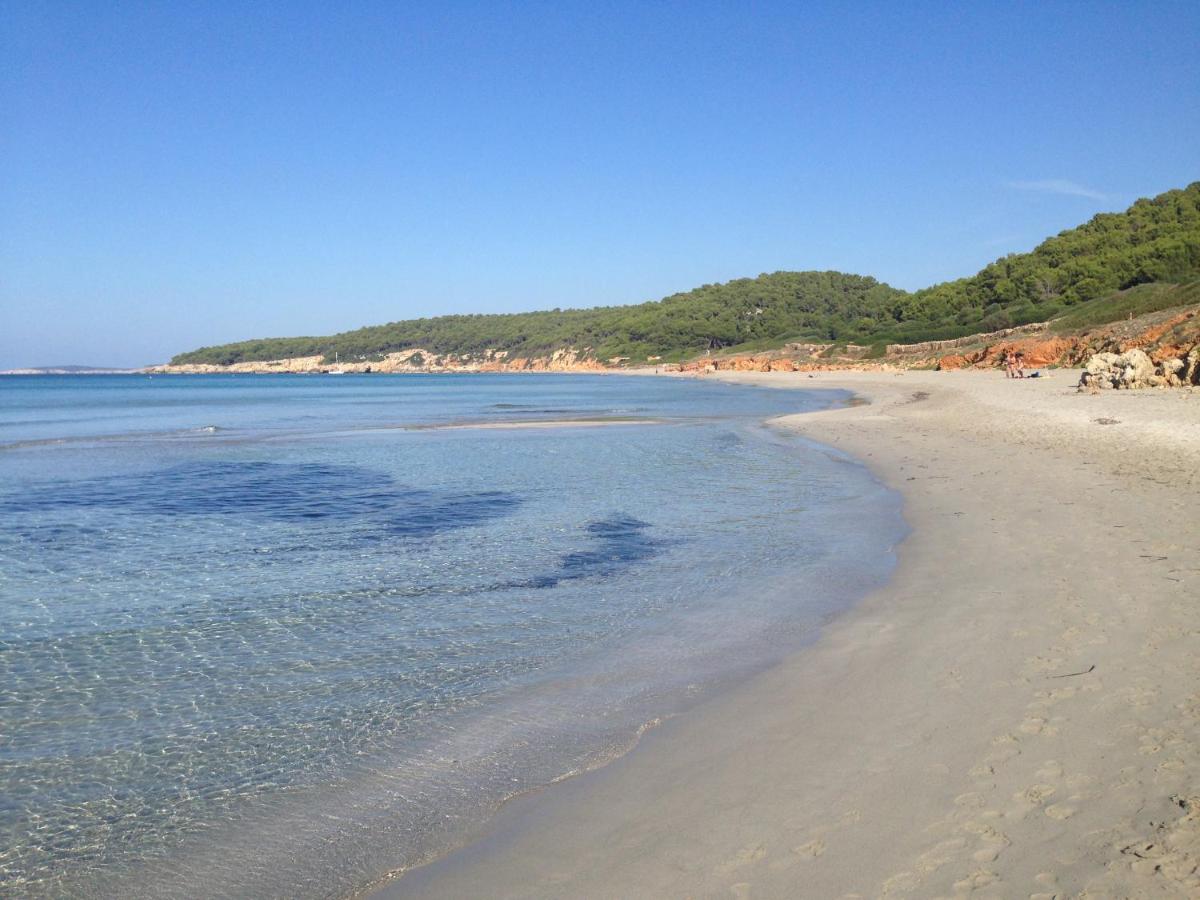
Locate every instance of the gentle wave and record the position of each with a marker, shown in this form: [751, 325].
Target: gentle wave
[122, 437]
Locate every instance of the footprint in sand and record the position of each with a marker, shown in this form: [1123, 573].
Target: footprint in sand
[1170, 766]
[971, 800]
[976, 881]
[1060, 811]
[901, 883]
[1050, 770]
[990, 847]
[745, 857]
[1189, 707]
[1080, 780]
[1035, 794]
[811, 850]
[1153, 740]
[1004, 748]
[989, 852]
[801, 854]
[1046, 879]
[939, 854]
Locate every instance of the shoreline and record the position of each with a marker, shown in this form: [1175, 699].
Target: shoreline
[312, 841]
[1014, 712]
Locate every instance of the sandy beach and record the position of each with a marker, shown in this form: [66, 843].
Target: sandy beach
[1017, 713]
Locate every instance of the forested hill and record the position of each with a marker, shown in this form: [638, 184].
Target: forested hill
[1153, 241]
[713, 317]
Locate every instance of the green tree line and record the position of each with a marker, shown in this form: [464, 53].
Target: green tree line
[1155, 240]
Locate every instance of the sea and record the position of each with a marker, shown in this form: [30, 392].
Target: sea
[287, 635]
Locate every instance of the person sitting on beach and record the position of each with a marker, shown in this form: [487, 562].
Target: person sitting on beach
[1019, 365]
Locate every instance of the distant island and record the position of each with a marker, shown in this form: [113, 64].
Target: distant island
[1079, 275]
[69, 370]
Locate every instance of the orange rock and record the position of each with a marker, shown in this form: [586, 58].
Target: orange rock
[1153, 334]
[1045, 353]
[952, 362]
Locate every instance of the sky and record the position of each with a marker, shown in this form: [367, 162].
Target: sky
[175, 175]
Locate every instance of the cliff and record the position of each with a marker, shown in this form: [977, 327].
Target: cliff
[1169, 338]
[1162, 336]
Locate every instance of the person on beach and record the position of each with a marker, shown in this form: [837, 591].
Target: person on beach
[1019, 363]
[1010, 364]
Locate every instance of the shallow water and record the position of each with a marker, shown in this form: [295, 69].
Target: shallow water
[276, 636]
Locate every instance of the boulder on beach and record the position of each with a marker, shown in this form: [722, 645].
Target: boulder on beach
[1135, 369]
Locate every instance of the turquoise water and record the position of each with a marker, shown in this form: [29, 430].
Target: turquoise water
[281, 635]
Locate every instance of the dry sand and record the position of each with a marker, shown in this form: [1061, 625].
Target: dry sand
[1016, 714]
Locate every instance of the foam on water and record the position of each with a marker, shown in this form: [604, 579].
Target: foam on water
[311, 647]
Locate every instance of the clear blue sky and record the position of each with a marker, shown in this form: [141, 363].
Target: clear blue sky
[178, 174]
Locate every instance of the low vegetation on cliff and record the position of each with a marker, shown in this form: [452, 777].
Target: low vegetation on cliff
[1136, 301]
[1073, 275]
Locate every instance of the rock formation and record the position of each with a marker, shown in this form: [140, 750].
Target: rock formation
[1135, 369]
[1161, 337]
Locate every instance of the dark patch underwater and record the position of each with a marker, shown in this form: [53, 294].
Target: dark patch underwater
[618, 541]
[281, 492]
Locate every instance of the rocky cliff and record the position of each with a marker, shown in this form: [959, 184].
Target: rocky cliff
[1168, 341]
[1163, 338]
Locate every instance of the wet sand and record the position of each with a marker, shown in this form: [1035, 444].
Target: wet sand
[1017, 713]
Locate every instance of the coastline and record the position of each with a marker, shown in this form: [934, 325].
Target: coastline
[1015, 712]
[719, 484]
